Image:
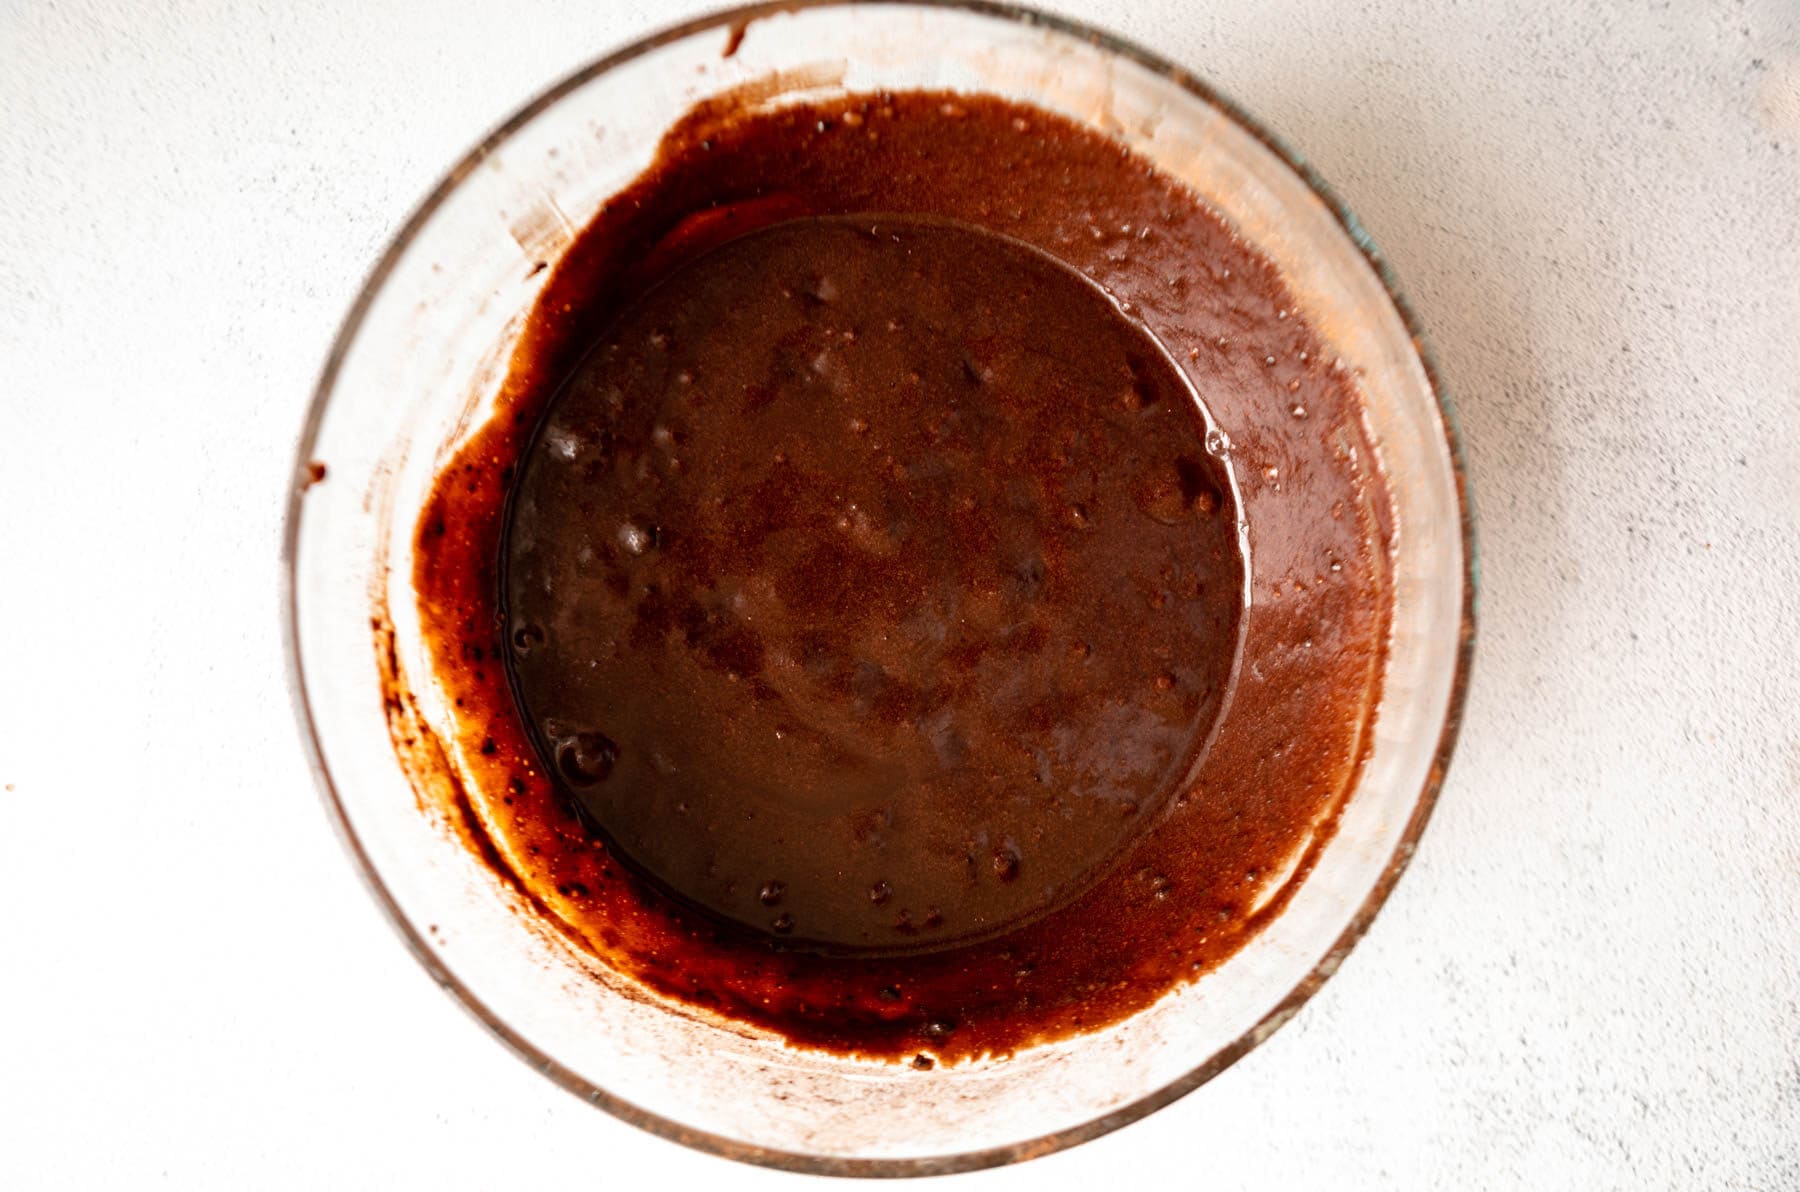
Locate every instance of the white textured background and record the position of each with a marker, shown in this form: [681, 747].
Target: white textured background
[1589, 979]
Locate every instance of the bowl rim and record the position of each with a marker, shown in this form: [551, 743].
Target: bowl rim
[736, 18]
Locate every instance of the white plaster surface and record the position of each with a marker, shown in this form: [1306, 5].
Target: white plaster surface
[1589, 979]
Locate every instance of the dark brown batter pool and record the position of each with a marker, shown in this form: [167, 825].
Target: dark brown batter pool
[847, 611]
[825, 582]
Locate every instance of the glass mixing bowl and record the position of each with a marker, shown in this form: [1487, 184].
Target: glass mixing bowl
[419, 359]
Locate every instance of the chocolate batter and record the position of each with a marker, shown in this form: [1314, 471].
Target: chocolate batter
[803, 651]
[846, 610]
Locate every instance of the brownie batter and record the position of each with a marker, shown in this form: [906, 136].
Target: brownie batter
[824, 578]
[857, 623]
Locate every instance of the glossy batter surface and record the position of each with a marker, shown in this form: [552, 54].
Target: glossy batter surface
[824, 582]
[856, 599]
